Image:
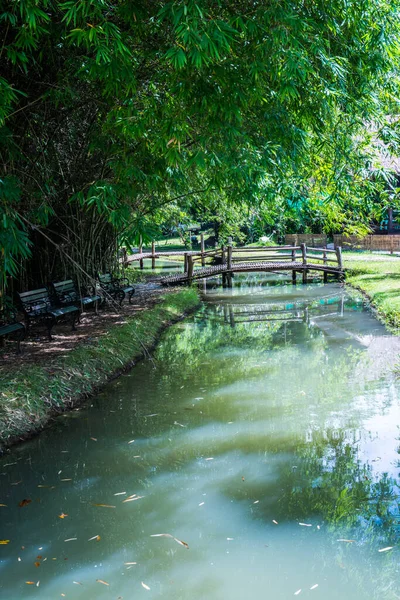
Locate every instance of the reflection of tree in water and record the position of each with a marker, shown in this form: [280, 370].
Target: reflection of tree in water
[328, 484]
[321, 476]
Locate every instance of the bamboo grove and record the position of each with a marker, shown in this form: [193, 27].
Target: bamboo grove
[116, 116]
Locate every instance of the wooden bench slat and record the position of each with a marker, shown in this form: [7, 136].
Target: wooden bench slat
[37, 305]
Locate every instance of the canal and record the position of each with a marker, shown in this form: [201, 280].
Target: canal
[254, 455]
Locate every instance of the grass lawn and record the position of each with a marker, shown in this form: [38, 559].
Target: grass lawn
[378, 276]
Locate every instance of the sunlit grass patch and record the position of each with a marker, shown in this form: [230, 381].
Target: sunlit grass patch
[378, 276]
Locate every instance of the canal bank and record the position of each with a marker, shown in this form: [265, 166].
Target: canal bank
[377, 277]
[32, 394]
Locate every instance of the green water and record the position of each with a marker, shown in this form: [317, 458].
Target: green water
[262, 433]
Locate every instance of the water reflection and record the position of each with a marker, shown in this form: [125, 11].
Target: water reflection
[272, 406]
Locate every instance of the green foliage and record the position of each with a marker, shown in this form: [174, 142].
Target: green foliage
[122, 109]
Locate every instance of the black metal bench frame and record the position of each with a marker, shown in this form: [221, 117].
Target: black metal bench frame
[67, 292]
[116, 288]
[38, 306]
[10, 326]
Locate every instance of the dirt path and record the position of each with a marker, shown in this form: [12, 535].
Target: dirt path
[36, 349]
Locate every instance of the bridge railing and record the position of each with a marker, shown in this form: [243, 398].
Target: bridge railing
[228, 255]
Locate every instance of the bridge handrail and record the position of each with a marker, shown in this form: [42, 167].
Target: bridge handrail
[327, 250]
[265, 248]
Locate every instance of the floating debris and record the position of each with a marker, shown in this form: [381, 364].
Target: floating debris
[146, 587]
[168, 535]
[132, 498]
[386, 549]
[314, 586]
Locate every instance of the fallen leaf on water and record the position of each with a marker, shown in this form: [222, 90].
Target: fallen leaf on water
[146, 587]
[314, 586]
[180, 424]
[297, 593]
[120, 494]
[168, 535]
[103, 582]
[30, 582]
[132, 498]
[65, 479]
[37, 564]
[210, 458]
[306, 524]
[201, 503]
[386, 549]
[242, 478]
[4, 542]
[39, 557]
[229, 539]
[276, 522]
[130, 563]
[77, 582]
[24, 502]
[37, 584]
[71, 540]
[256, 502]
[94, 439]
[62, 516]
[344, 540]
[3, 504]
[104, 505]
[131, 442]
[17, 482]
[95, 537]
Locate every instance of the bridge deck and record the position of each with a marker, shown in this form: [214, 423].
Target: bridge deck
[242, 267]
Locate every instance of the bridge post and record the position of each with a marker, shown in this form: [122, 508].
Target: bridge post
[153, 258]
[124, 256]
[294, 271]
[185, 263]
[304, 255]
[141, 252]
[223, 255]
[325, 258]
[190, 267]
[202, 249]
[339, 257]
[229, 258]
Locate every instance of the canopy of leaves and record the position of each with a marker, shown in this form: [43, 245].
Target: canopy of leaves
[110, 111]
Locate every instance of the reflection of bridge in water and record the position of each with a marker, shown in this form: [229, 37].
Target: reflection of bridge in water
[235, 314]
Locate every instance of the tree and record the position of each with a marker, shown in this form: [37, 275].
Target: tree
[111, 111]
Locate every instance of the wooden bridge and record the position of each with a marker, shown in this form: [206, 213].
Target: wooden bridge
[228, 260]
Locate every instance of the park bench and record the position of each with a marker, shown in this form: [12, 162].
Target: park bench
[116, 288]
[10, 326]
[66, 293]
[38, 306]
